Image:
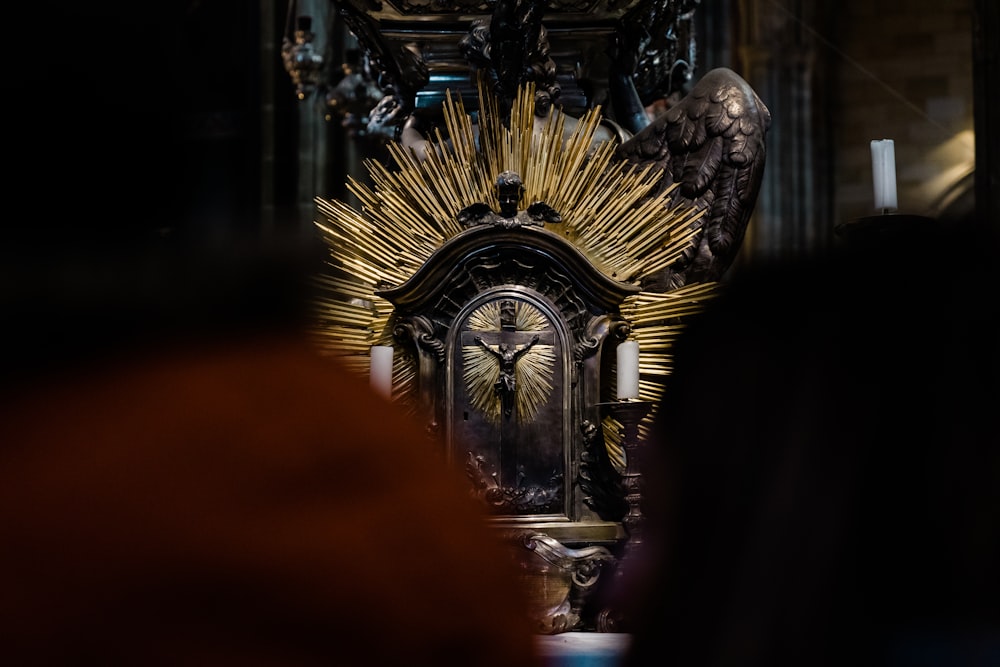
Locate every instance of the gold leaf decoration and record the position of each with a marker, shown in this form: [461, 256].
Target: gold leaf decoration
[412, 209]
[532, 373]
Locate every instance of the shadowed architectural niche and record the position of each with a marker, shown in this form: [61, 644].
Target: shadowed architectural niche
[557, 182]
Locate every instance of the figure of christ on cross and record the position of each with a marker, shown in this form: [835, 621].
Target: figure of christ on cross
[508, 347]
[507, 354]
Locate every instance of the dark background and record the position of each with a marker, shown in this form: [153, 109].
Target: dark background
[139, 119]
[136, 179]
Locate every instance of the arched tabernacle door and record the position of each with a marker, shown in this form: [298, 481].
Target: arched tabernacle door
[510, 327]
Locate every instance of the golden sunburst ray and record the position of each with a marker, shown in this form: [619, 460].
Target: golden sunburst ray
[482, 373]
[411, 210]
[534, 388]
[482, 367]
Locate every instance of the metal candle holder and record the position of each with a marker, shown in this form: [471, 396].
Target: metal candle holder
[628, 412]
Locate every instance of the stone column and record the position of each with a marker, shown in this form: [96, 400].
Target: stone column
[779, 57]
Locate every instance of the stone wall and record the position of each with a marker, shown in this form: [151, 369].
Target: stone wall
[904, 72]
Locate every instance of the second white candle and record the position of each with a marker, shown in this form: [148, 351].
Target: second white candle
[884, 174]
[628, 370]
[380, 372]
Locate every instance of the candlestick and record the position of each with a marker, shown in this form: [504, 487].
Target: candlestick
[628, 414]
[628, 370]
[884, 174]
[380, 373]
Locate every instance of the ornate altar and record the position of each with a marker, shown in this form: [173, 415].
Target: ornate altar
[505, 253]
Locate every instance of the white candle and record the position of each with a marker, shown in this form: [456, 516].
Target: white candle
[884, 174]
[380, 373]
[628, 370]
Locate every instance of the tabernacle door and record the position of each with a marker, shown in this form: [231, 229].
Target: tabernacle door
[510, 403]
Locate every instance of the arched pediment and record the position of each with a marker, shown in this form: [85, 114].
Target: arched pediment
[487, 256]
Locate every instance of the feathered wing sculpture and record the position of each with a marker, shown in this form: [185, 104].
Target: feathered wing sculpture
[711, 144]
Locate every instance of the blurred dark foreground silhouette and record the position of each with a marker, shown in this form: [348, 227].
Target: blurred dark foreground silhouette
[190, 484]
[824, 484]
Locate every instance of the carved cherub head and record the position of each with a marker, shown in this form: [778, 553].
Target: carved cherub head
[509, 191]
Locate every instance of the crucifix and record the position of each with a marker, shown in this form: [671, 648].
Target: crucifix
[508, 347]
[506, 384]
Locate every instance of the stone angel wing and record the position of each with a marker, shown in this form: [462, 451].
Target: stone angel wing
[712, 144]
[476, 214]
